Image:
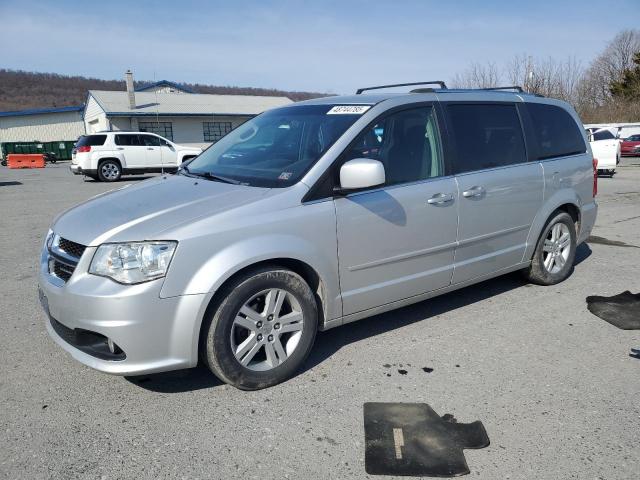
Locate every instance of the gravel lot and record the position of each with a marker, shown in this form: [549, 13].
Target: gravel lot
[554, 385]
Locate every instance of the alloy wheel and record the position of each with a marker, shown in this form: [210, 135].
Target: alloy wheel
[557, 247]
[110, 171]
[267, 329]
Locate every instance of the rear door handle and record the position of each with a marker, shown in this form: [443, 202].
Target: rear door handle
[440, 198]
[473, 192]
[120, 148]
[149, 148]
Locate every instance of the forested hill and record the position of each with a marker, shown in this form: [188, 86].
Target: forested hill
[21, 90]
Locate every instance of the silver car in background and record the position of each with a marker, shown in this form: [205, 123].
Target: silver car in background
[314, 215]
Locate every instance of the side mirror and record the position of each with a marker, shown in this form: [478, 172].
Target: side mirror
[361, 173]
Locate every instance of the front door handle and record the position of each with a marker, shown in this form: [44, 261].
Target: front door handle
[120, 148]
[473, 192]
[440, 198]
[149, 148]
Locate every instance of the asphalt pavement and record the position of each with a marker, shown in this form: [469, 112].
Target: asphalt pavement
[554, 386]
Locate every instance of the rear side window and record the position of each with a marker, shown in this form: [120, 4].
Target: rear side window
[486, 136]
[603, 135]
[150, 140]
[91, 140]
[556, 131]
[128, 140]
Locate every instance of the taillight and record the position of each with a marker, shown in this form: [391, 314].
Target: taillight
[84, 149]
[595, 177]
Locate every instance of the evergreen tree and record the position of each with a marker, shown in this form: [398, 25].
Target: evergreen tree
[628, 88]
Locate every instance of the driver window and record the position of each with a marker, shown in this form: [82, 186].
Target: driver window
[406, 142]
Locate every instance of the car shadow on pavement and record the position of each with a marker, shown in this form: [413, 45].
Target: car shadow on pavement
[177, 381]
[329, 342]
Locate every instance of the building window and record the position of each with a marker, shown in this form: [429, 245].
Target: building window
[164, 129]
[214, 131]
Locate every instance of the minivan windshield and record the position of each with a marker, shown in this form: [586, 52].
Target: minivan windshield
[277, 148]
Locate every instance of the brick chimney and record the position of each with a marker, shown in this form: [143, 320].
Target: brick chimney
[130, 92]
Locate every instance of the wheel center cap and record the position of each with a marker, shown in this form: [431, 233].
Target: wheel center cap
[266, 328]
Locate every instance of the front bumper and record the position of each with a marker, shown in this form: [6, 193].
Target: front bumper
[155, 334]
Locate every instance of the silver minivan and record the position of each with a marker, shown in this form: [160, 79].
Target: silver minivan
[314, 215]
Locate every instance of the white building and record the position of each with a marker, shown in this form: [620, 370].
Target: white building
[173, 112]
[164, 107]
[42, 125]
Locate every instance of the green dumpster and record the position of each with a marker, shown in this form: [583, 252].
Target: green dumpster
[61, 149]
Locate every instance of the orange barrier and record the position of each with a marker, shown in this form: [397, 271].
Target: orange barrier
[23, 160]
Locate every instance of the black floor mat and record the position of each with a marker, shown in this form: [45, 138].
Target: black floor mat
[412, 439]
[622, 310]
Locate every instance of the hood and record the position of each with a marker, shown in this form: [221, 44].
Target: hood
[142, 211]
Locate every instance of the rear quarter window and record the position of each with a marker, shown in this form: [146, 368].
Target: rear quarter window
[557, 133]
[91, 140]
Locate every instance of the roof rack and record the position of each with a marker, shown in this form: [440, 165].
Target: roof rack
[435, 82]
[517, 88]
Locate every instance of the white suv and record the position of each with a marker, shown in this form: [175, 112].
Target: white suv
[106, 156]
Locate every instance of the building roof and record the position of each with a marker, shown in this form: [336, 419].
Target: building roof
[38, 111]
[116, 103]
[165, 83]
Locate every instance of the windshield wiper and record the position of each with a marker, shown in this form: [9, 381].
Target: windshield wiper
[209, 176]
[216, 178]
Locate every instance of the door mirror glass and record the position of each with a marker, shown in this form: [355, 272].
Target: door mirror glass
[361, 173]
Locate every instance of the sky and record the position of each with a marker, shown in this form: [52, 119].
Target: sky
[324, 46]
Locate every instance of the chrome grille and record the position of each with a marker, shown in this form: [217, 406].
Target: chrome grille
[64, 256]
[61, 270]
[72, 248]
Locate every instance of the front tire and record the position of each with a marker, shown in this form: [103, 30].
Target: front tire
[109, 171]
[555, 252]
[262, 329]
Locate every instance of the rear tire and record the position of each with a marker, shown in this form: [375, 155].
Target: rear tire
[109, 171]
[262, 329]
[555, 252]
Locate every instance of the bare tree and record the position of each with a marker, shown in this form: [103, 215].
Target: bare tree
[478, 76]
[595, 102]
[588, 89]
[548, 77]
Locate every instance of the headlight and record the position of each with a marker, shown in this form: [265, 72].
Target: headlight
[133, 262]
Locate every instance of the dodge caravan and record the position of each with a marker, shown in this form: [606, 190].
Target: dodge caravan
[314, 215]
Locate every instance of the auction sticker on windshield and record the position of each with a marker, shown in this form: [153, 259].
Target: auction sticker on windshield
[348, 109]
